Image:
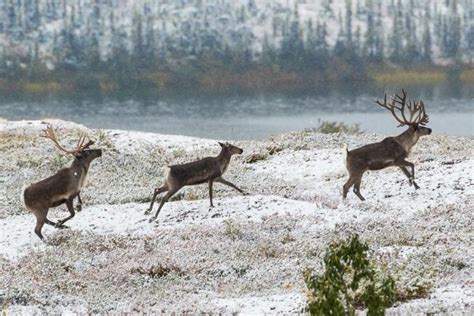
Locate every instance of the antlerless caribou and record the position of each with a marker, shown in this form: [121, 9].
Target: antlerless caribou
[209, 169]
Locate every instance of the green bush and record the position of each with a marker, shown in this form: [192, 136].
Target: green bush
[349, 282]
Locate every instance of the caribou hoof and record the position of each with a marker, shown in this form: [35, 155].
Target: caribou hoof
[60, 225]
[151, 220]
[148, 211]
[79, 207]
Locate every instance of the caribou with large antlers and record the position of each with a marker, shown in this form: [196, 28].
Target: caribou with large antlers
[64, 186]
[392, 151]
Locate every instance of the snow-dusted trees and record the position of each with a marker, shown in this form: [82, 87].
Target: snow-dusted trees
[317, 48]
[374, 43]
[426, 44]
[470, 42]
[292, 45]
[118, 37]
[452, 31]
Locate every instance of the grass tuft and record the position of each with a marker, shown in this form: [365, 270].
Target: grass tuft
[158, 271]
[327, 127]
[232, 230]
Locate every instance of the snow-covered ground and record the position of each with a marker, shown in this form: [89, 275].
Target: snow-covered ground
[248, 253]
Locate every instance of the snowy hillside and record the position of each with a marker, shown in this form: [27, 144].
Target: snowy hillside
[61, 31]
[248, 253]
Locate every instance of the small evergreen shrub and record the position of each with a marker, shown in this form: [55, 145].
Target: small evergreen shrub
[349, 282]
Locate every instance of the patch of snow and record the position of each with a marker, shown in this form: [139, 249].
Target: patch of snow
[16, 241]
[133, 141]
[449, 298]
[27, 127]
[262, 305]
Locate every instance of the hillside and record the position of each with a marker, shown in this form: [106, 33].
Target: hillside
[103, 45]
[185, 25]
[248, 253]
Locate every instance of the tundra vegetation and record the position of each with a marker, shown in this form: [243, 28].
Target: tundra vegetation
[349, 282]
[248, 253]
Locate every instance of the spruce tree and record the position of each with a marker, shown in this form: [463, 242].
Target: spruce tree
[370, 34]
[292, 46]
[453, 32]
[469, 37]
[379, 39]
[138, 45]
[150, 42]
[396, 45]
[411, 53]
[357, 42]
[470, 43]
[269, 55]
[348, 26]
[327, 7]
[426, 43]
[11, 16]
[93, 56]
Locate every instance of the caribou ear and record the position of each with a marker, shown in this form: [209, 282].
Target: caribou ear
[222, 145]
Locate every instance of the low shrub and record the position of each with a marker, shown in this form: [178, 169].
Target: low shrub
[349, 282]
[327, 127]
[157, 271]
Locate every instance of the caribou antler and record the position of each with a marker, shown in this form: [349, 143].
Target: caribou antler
[416, 110]
[81, 144]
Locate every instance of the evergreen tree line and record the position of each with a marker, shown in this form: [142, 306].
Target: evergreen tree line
[89, 37]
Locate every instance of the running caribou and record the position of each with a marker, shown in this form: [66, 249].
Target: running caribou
[209, 169]
[392, 151]
[64, 186]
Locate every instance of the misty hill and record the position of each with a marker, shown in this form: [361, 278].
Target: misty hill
[191, 36]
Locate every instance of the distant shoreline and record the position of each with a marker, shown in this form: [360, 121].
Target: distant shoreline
[221, 82]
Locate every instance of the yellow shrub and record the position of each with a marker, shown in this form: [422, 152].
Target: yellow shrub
[467, 75]
[45, 87]
[404, 76]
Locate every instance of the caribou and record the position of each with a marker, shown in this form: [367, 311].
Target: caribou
[391, 151]
[209, 169]
[62, 187]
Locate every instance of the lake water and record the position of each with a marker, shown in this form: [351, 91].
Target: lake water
[451, 112]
